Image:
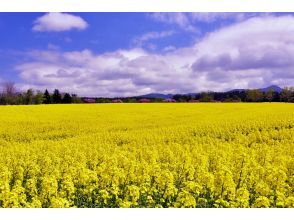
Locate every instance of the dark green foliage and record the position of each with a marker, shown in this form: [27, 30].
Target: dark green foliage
[269, 95]
[47, 97]
[56, 97]
[66, 98]
[75, 99]
[287, 94]
[29, 95]
[182, 98]
[103, 100]
[38, 98]
[10, 96]
[254, 95]
[206, 97]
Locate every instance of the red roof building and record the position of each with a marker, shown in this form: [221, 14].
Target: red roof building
[89, 100]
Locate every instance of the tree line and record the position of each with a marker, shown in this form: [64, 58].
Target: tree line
[10, 96]
[250, 95]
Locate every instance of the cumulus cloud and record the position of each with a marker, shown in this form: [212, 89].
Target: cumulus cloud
[257, 49]
[119, 73]
[57, 22]
[253, 53]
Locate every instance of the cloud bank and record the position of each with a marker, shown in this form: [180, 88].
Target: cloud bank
[56, 22]
[253, 53]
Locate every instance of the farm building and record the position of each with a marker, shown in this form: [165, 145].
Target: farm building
[89, 100]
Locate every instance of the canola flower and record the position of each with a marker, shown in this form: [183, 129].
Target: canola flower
[147, 155]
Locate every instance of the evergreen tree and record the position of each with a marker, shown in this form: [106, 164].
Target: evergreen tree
[66, 98]
[56, 97]
[47, 97]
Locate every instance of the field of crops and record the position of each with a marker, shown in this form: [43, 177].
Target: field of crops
[147, 155]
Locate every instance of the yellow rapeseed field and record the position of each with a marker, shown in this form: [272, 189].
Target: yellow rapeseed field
[147, 155]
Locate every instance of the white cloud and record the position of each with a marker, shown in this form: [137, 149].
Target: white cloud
[210, 17]
[57, 22]
[52, 47]
[141, 40]
[122, 72]
[178, 18]
[169, 48]
[253, 53]
[189, 21]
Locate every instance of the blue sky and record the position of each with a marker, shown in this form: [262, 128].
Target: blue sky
[120, 54]
[106, 32]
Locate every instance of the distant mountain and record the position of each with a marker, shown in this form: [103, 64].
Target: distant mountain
[275, 88]
[191, 94]
[237, 90]
[157, 95]
[272, 87]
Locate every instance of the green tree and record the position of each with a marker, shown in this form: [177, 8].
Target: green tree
[56, 97]
[206, 97]
[75, 99]
[66, 98]
[269, 95]
[29, 94]
[20, 99]
[254, 95]
[287, 94]
[39, 97]
[47, 97]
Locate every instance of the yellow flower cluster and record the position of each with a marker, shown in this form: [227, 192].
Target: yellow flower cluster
[147, 155]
